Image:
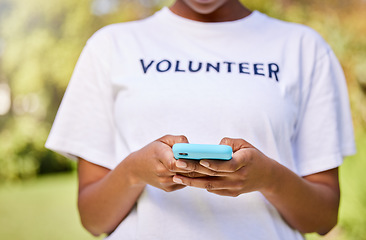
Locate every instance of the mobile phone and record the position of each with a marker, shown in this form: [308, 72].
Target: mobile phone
[202, 151]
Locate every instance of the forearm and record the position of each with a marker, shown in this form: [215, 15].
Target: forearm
[106, 197]
[105, 203]
[308, 206]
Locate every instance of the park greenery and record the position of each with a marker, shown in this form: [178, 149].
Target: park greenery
[40, 42]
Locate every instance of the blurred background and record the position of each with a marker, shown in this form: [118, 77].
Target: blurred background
[40, 42]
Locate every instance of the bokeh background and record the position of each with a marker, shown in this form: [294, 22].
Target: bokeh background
[40, 42]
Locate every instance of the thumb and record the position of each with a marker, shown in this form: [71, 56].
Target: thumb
[170, 140]
[236, 143]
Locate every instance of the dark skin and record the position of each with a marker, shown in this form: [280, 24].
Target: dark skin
[107, 196]
[215, 11]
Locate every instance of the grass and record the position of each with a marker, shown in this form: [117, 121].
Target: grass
[43, 208]
[352, 213]
[353, 182]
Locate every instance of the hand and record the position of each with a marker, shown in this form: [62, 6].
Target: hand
[155, 164]
[249, 170]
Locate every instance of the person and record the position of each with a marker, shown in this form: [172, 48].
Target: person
[213, 72]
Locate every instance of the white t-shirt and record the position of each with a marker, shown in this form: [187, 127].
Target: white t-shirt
[277, 85]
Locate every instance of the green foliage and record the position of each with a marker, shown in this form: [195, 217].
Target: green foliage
[353, 208]
[352, 220]
[22, 151]
[40, 42]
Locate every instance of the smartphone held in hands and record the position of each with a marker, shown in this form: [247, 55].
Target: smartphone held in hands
[202, 151]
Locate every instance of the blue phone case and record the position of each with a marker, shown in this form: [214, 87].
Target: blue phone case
[202, 151]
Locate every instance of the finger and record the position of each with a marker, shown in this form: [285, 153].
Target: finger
[192, 174]
[170, 140]
[226, 192]
[168, 185]
[235, 143]
[195, 166]
[209, 183]
[176, 187]
[180, 166]
[162, 171]
[172, 187]
[166, 158]
[239, 160]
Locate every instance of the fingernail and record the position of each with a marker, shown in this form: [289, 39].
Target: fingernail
[177, 180]
[205, 163]
[181, 164]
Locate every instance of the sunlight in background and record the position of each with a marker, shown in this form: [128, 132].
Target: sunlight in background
[2, 45]
[5, 96]
[28, 103]
[5, 100]
[149, 3]
[102, 7]
[40, 42]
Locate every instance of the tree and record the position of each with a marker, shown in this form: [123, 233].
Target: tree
[42, 41]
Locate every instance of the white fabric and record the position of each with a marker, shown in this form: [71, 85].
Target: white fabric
[277, 85]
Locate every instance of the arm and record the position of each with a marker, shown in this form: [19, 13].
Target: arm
[309, 204]
[107, 196]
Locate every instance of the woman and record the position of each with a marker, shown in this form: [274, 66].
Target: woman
[213, 72]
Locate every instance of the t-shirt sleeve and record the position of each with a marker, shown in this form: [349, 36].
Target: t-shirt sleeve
[324, 131]
[84, 125]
